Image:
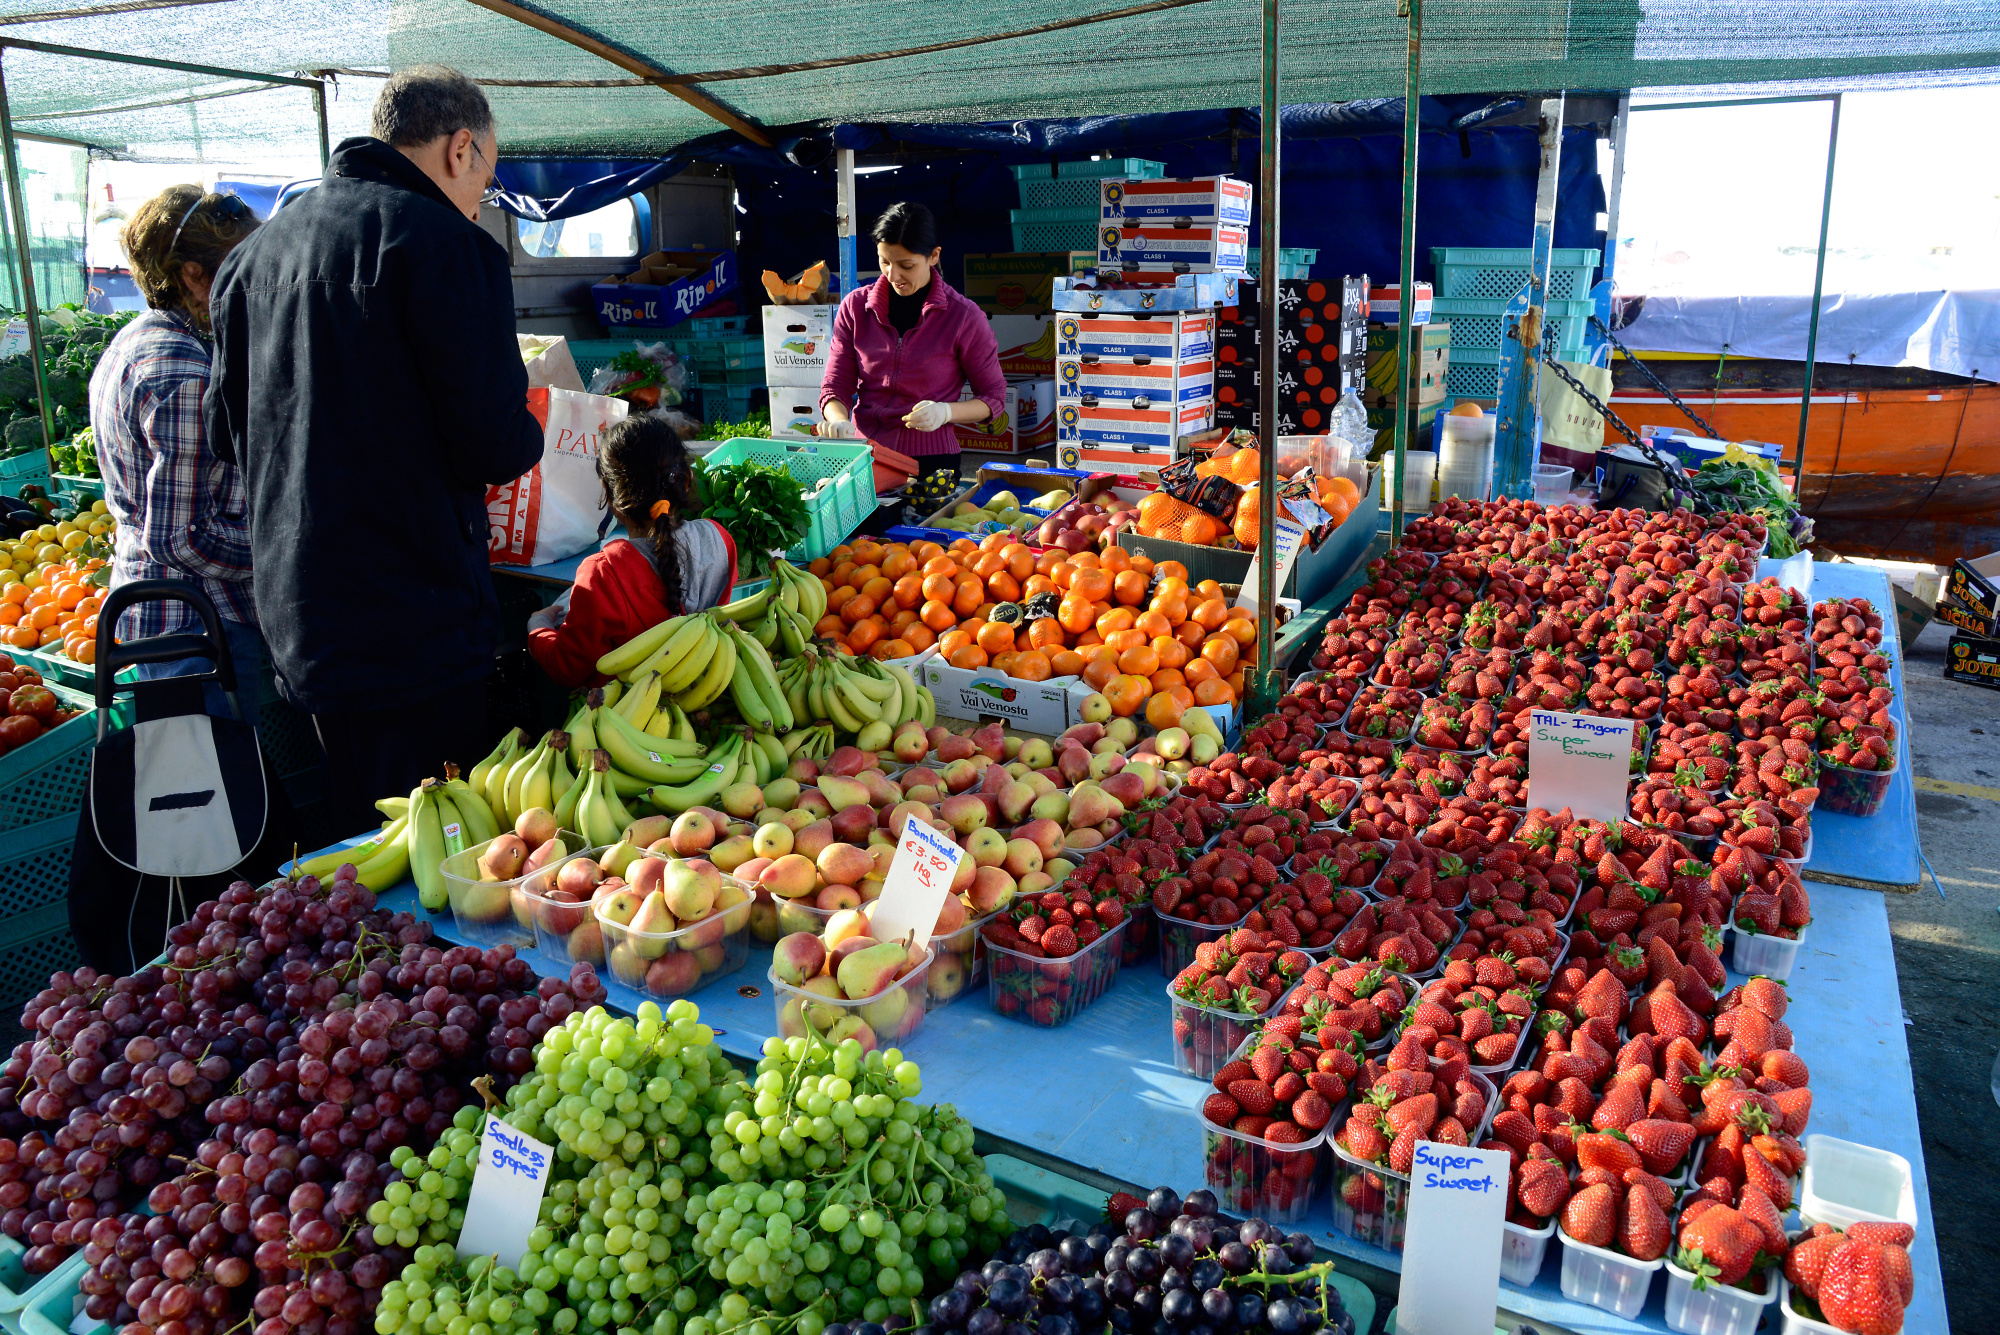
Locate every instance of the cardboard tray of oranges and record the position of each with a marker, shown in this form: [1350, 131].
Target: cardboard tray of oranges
[1154, 642]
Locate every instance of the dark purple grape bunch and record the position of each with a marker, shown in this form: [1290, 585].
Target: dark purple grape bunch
[1040, 1282]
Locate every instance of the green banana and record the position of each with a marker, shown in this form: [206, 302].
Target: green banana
[721, 772]
[879, 689]
[517, 777]
[582, 729]
[750, 703]
[746, 609]
[926, 707]
[494, 788]
[794, 740]
[639, 648]
[635, 752]
[454, 825]
[715, 680]
[774, 752]
[392, 807]
[471, 806]
[389, 865]
[763, 678]
[594, 819]
[560, 774]
[858, 699]
[614, 691]
[477, 779]
[683, 725]
[676, 675]
[565, 808]
[538, 784]
[427, 847]
[326, 864]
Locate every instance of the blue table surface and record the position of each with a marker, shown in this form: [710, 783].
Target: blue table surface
[1879, 849]
[1102, 1092]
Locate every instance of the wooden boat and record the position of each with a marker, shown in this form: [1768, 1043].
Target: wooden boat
[1901, 463]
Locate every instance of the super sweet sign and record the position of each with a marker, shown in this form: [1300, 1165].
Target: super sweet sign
[1579, 761]
[1451, 1254]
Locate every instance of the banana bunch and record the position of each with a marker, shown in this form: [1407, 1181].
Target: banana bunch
[814, 743]
[854, 692]
[741, 755]
[518, 777]
[798, 604]
[438, 819]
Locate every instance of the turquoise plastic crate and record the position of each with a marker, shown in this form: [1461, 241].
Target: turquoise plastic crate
[92, 487]
[1075, 188]
[1054, 229]
[847, 497]
[727, 403]
[45, 779]
[34, 945]
[718, 326]
[44, 1304]
[1286, 255]
[1482, 323]
[19, 470]
[1499, 273]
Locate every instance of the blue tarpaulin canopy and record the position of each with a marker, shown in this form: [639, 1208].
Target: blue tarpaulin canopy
[1342, 179]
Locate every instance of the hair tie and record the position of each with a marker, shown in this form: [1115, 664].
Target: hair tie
[660, 509]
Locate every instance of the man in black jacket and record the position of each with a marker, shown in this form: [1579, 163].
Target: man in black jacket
[367, 380]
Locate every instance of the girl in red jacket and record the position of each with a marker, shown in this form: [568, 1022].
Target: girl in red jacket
[668, 566]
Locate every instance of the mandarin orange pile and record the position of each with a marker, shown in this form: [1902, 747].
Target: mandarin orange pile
[1154, 647]
[59, 613]
[1164, 516]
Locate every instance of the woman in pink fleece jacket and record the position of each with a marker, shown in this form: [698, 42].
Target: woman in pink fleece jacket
[907, 344]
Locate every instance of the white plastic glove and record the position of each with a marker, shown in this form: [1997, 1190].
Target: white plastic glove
[834, 428]
[928, 415]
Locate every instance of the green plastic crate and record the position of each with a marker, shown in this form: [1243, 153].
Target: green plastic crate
[43, 1304]
[34, 945]
[1092, 169]
[92, 487]
[18, 470]
[1482, 323]
[715, 403]
[45, 779]
[838, 507]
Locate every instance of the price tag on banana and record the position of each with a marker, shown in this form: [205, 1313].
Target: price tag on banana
[918, 880]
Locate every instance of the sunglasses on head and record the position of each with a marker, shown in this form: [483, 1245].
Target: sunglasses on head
[233, 208]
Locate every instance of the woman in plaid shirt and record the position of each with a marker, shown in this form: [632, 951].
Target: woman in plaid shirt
[180, 509]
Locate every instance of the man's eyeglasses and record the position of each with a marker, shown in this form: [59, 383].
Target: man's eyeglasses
[232, 208]
[492, 191]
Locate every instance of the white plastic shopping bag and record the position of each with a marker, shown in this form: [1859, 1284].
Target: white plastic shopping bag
[557, 508]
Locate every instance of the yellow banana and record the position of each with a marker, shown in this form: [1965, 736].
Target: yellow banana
[477, 779]
[713, 682]
[389, 866]
[517, 778]
[427, 847]
[854, 692]
[720, 774]
[677, 676]
[879, 689]
[636, 753]
[326, 864]
[774, 752]
[661, 725]
[639, 648]
[472, 809]
[636, 708]
[494, 789]
[926, 707]
[765, 629]
[838, 705]
[457, 829]
[791, 643]
[614, 691]
[787, 591]
[764, 678]
[683, 725]
[582, 731]
[560, 774]
[392, 807]
[536, 785]
[746, 609]
[743, 690]
[794, 740]
[907, 685]
[593, 817]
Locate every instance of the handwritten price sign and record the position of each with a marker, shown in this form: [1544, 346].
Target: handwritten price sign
[506, 1195]
[918, 880]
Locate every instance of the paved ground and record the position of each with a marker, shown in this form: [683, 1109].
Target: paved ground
[1947, 957]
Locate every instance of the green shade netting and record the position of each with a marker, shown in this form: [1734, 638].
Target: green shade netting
[53, 183]
[1198, 56]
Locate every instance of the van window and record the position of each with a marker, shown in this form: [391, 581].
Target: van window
[610, 231]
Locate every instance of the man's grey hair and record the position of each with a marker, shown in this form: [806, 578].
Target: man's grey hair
[427, 102]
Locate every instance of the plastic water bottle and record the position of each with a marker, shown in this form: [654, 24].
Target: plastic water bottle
[1350, 421]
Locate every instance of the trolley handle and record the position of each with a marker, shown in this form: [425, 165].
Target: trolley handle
[113, 656]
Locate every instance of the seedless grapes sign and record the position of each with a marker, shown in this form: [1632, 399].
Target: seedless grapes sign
[506, 1196]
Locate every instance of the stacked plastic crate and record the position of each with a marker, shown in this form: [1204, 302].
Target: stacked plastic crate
[1475, 285]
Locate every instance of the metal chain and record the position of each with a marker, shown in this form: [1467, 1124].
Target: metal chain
[1676, 479]
[1654, 380]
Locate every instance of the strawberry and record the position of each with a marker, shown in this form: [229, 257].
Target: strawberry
[1807, 1261]
[1220, 1109]
[1892, 1235]
[1267, 1063]
[1253, 1096]
[1403, 1150]
[1591, 1216]
[1542, 1186]
[1661, 1144]
[1059, 941]
[1642, 1229]
[1757, 1208]
[1719, 1244]
[1858, 1290]
[1232, 1072]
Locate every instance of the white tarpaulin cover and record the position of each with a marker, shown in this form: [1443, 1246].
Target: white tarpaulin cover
[1954, 332]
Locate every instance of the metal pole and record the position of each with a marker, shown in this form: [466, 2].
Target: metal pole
[1264, 690]
[17, 209]
[116, 58]
[1406, 396]
[1812, 321]
[1620, 126]
[1518, 436]
[319, 109]
[844, 212]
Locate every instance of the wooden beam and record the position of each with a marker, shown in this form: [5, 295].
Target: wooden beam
[631, 64]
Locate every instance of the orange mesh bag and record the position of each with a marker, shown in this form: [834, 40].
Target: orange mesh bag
[1245, 526]
[1161, 516]
[1242, 467]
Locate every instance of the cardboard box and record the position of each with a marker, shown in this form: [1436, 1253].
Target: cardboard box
[1974, 661]
[974, 693]
[1166, 337]
[995, 435]
[1954, 613]
[1114, 427]
[1034, 413]
[1385, 304]
[1433, 362]
[1145, 292]
[1975, 586]
[1141, 386]
[794, 411]
[1385, 417]
[669, 286]
[1207, 248]
[1027, 344]
[1017, 283]
[796, 341]
[1186, 201]
[1314, 574]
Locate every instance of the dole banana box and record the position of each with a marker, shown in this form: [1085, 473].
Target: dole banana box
[1035, 413]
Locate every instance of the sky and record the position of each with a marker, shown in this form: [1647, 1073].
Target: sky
[1727, 200]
